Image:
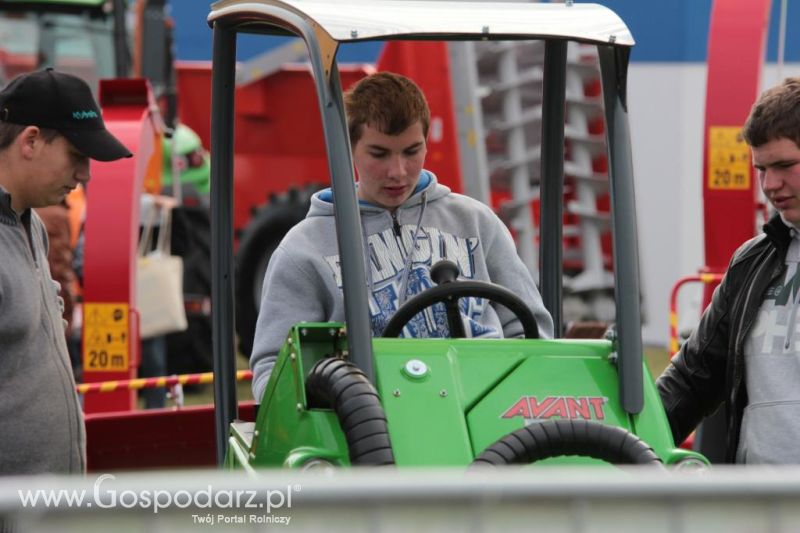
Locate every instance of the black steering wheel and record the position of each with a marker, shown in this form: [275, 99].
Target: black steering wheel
[448, 291]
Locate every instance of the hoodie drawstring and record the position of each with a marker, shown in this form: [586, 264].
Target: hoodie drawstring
[409, 257]
[791, 256]
[367, 264]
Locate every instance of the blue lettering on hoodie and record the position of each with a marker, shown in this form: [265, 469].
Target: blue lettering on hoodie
[386, 257]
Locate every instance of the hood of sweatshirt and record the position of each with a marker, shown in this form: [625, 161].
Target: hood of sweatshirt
[373, 217]
[428, 189]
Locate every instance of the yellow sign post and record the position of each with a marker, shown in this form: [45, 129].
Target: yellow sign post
[728, 159]
[106, 337]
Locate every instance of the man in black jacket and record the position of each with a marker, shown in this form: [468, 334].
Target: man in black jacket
[745, 352]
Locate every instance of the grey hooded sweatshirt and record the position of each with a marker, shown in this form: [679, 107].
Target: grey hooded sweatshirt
[303, 281]
[771, 422]
[42, 422]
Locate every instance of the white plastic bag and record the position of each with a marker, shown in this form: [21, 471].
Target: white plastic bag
[159, 278]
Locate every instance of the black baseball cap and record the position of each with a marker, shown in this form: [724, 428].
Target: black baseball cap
[62, 102]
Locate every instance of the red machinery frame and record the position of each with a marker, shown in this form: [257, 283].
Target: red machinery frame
[736, 42]
[281, 147]
[111, 327]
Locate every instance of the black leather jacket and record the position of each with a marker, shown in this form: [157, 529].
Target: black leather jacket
[709, 369]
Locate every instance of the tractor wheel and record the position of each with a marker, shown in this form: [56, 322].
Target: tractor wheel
[260, 238]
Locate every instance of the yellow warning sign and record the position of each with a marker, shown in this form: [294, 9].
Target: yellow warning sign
[728, 159]
[105, 337]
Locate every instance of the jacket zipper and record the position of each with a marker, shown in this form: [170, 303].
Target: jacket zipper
[53, 327]
[744, 328]
[27, 238]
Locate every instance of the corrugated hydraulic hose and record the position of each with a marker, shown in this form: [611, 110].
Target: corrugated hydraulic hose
[554, 438]
[341, 385]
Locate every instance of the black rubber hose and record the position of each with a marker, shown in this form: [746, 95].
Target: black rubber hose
[554, 438]
[342, 386]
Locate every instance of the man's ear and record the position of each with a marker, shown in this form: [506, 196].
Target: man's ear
[28, 141]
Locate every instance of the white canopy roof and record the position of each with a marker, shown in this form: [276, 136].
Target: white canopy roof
[354, 20]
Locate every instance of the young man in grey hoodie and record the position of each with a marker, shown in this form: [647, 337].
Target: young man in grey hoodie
[50, 126]
[409, 222]
[745, 353]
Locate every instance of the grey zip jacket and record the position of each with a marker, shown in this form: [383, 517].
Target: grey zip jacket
[42, 422]
[303, 279]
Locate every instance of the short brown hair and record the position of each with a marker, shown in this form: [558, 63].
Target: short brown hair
[389, 102]
[775, 115]
[10, 131]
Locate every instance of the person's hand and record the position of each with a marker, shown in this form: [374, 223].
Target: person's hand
[164, 202]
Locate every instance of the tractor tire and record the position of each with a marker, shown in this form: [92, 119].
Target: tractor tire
[258, 241]
[190, 351]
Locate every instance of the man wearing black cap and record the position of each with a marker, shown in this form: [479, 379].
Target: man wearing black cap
[50, 126]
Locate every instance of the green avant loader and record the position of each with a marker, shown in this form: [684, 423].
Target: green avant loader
[337, 396]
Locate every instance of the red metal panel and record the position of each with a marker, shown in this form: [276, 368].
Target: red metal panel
[735, 54]
[156, 438]
[282, 146]
[193, 79]
[112, 222]
[278, 130]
